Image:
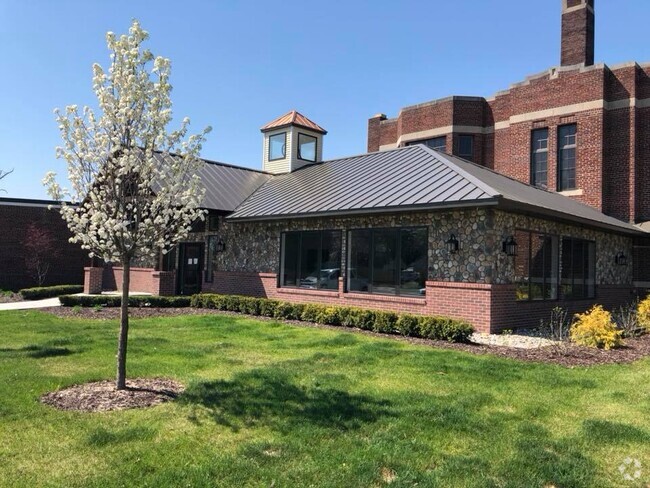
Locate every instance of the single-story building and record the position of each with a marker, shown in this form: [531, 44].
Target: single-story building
[34, 241]
[409, 229]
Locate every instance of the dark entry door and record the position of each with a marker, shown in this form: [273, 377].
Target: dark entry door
[191, 268]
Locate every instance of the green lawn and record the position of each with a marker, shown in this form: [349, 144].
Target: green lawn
[270, 404]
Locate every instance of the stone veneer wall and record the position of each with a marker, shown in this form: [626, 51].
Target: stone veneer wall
[475, 284]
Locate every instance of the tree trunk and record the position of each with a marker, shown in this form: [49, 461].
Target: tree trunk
[124, 326]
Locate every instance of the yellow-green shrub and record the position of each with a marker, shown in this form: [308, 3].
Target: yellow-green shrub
[643, 312]
[596, 328]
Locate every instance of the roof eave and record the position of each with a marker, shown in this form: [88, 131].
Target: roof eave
[294, 124]
[527, 209]
[486, 202]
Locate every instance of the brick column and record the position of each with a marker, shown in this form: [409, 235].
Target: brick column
[93, 280]
[164, 282]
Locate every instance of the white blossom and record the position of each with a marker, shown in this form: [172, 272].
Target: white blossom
[135, 183]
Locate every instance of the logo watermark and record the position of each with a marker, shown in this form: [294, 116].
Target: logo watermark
[630, 469]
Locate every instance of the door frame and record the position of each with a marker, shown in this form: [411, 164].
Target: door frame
[181, 266]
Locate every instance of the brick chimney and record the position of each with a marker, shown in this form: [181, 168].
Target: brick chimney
[578, 22]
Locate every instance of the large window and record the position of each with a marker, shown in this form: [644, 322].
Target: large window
[536, 266]
[311, 259]
[465, 147]
[566, 158]
[278, 146]
[437, 143]
[306, 147]
[578, 268]
[388, 261]
[539, 158]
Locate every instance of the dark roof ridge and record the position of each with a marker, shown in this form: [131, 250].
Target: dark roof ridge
[219, 163]
[236, 166]
[442, 157]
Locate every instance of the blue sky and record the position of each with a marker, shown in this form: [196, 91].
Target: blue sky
[239, 64]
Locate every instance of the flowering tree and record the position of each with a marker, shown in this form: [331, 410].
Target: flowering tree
[135, 190]
[40, 249]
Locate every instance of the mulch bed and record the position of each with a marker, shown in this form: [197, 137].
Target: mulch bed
[102, 396]
[10, 298]
[565, 355]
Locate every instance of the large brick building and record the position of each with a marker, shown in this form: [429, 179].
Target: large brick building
[520, 203]
[582, 129]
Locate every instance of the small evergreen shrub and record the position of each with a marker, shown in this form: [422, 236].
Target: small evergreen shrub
[42, 292]
[364, 319]
[348, 316]
[329, 316]
[596, 328]
[643, 313]
[268, 307]
[385, 322]
[429, 328]
[289, 311]
[407, 325]
[310, 312]
[444, 329]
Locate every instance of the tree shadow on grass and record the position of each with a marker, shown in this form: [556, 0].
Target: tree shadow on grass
[101, 437]
[39, 351]
[542, 460]
[605, 431]
[270, 398]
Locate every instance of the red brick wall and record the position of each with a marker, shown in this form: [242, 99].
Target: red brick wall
[489, 308]
[613, 160]
[508, 313]
[65, 268]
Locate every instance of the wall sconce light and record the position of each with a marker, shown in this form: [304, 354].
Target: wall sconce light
[220, 247]
[510, 246]
[621, 259]
[452, 244]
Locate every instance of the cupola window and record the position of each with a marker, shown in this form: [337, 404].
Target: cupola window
[306, 147]
[278, 146]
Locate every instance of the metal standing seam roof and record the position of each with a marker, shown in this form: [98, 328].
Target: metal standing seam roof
[227, 186]
[409, 178]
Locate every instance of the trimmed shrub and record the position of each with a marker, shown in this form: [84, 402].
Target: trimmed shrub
[456, 331]
[364, 319]
[249, 305]
[429, 327]
[439, 328]
[329, 316]
[268, 307]
[385, 322]
[311, 312]
[289, 311]
[407, 325]
[643, 313]
[444, 329]
[348, 316]
[49, 291]
[595, 328]
[116, 301]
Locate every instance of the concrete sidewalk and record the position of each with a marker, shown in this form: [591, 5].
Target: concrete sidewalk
[29, 304]
[54, 302]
